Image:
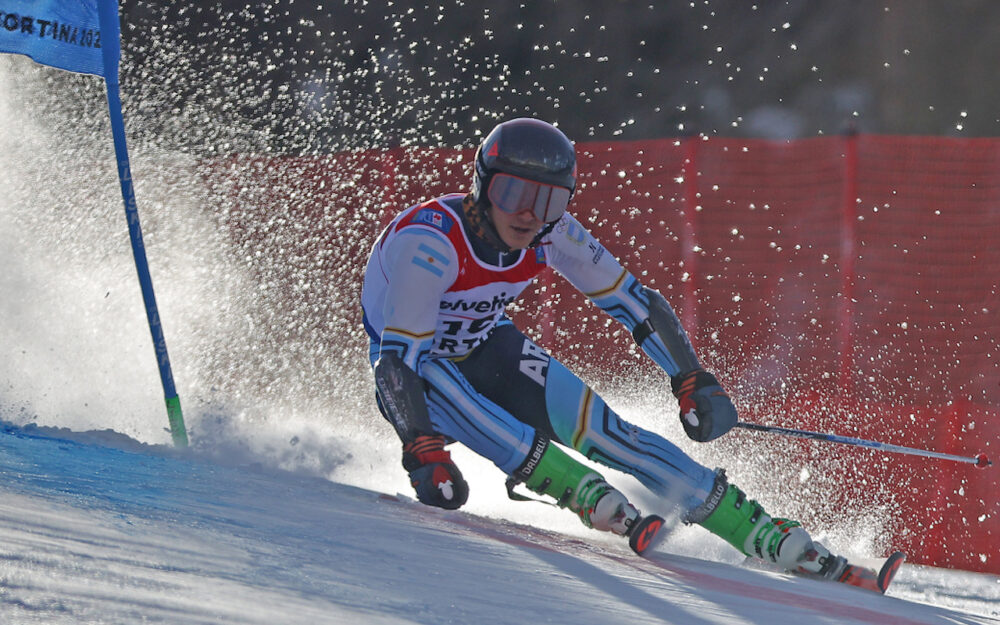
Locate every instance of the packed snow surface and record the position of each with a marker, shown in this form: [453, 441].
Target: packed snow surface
[96, 528]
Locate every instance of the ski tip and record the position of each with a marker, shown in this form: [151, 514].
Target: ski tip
[889, 569]
[646, 534]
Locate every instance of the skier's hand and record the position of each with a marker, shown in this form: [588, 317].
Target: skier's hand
[706, 410]
[434, 476]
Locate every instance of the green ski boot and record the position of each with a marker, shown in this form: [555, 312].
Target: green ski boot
[743, 523]
[551, 471]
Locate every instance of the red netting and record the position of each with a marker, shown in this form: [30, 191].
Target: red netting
[927, 238]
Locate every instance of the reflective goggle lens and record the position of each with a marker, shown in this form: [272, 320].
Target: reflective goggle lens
[513, 195]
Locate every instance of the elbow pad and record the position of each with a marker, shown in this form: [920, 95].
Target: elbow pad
[662, 336]
[400, 393]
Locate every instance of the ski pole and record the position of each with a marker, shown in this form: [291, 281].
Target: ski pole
[980, 460]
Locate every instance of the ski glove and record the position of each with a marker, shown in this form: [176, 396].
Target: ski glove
[434, 477]
[706, 410]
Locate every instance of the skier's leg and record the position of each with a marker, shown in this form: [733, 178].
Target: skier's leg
[521, 377]
[602, 435]
[551, 471]
[525, 380]
[461, 413]
[745, 524]
[581, 417]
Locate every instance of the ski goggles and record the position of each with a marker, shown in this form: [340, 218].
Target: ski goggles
[513, 195]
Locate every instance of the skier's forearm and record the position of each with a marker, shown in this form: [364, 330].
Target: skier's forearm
[652, 322]
[401, 393]
[662, 337]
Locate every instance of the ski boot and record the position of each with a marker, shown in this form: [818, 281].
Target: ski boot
[551, 471]
[743, 523]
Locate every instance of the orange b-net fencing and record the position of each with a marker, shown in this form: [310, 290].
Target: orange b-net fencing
[845, 284]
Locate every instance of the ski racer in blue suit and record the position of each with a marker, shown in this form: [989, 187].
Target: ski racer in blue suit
[450, 366]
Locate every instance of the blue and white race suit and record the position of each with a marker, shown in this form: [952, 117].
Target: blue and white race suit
[432, 300]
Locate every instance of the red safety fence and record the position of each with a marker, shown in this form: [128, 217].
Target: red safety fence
[845, 284]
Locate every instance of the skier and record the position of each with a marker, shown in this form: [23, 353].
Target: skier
[450, 366]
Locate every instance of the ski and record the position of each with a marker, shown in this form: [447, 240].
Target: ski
[645, 533]
[870, 579]
[844, 572]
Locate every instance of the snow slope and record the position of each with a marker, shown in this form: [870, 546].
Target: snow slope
[96, 528]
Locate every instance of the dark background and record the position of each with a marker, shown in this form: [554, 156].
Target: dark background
[314, 77]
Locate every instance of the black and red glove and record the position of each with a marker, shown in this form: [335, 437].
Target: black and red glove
[706, 410]
[434, 476]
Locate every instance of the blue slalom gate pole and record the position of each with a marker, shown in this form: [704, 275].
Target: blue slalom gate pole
[110, 28]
